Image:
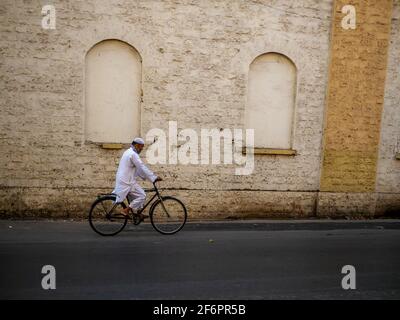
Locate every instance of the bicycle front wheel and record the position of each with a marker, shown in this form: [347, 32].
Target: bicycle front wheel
[168, 216]
[105, 217]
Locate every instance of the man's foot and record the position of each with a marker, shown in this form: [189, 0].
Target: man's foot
[138, 218]
[126, 211]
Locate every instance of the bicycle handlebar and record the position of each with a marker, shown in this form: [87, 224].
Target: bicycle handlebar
[154, 184]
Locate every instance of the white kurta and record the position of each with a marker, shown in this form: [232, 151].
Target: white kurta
[130, 167]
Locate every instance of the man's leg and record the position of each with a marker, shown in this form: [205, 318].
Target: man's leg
[122, 191]
[137, 197]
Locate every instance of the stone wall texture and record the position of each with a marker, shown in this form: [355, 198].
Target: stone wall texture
[195, 64]
[355, 97]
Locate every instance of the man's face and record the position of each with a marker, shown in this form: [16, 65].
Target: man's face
[139, 147]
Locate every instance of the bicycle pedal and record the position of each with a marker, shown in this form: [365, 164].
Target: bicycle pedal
[136, 219]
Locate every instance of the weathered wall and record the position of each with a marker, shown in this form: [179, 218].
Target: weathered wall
[351, 181]
[388, 178]
[196, 57]
[388, 172]
[358, 70]
[355, 97]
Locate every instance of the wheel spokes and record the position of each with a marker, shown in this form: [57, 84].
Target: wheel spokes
[168, 216]
[105, 217]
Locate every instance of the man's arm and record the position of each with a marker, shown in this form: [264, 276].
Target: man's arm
[140, 174]
[143, 170]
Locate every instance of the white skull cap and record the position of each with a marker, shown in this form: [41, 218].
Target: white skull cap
[138, 140]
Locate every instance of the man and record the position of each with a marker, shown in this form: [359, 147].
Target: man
[130, 167]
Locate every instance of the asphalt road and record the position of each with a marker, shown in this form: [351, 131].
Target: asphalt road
[229, 260]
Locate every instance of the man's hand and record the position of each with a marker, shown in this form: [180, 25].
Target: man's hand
[158, 179]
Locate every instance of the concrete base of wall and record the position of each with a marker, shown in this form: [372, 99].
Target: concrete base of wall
[209, 204]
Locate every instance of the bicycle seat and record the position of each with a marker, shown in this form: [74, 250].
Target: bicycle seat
[106, 194]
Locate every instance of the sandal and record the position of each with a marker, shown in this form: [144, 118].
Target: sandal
[125, 214]
[138, 218]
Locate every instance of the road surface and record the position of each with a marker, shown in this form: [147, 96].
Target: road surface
[206, 260]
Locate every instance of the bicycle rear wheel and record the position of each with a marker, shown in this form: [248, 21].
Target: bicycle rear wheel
[105, 217]
[168, 216]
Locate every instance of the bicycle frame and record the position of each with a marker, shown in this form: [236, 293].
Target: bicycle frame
[157, 194]
[152, 198]
[162, 221]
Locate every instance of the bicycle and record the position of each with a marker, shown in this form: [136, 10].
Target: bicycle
[167, 214]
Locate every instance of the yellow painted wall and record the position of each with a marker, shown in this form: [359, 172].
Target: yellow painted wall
[358, 60]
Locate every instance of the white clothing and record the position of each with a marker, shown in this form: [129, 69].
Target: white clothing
[130, 167]
[136, 197]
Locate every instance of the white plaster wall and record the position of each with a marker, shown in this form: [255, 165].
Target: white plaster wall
[271, 100]
[388, 172]
[113, 92]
